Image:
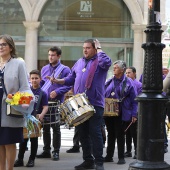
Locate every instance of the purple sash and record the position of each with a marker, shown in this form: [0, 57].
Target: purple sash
[48, 83]
[91, 73]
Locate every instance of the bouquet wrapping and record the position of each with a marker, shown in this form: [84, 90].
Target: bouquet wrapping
[23, 102]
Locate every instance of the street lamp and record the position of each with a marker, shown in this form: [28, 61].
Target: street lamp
[151, 119]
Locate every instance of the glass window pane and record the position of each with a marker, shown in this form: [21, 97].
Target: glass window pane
[75, 19]
[11, 18]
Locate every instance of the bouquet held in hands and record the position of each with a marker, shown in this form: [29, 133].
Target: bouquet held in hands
[23, 102]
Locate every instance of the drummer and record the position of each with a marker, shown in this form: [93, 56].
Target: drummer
[42, 109]
[89, 73]
[55, 93]
[122, 88]
[132, 132]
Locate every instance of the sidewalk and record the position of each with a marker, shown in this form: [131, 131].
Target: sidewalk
[69, 160]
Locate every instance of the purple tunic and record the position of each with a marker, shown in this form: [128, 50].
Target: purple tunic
[138, 85]
[78, 78]
[59, 89]
[43, 101]
[128, 106]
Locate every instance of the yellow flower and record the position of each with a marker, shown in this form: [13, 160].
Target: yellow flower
[16, 98]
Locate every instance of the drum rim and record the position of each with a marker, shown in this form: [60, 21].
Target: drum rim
[112, 99]
[50, 102]
[69, 99]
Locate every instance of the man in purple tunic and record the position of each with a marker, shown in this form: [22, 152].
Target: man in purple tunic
[122, 88]
[89, 74]
[132, 131]
[55, 93]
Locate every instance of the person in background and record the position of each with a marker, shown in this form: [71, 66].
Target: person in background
[42, 109]
[13, 78]
[55, 93]
[131, 133]
[89, 75]
[123, 89]
[76, 141]
[166, 91]
[165, 71]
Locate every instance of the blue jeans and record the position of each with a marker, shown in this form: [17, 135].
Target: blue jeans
[91, 137]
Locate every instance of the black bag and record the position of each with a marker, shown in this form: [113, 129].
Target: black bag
[10, 111]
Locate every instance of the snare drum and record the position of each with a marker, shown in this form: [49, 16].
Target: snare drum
[77, 109]
[34, 133]
[53, 115]
[111, 107]
[68, 95]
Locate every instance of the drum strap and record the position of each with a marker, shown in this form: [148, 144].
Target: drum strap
[91, 73]
[38, 103]
[57, 72]
[122, 90]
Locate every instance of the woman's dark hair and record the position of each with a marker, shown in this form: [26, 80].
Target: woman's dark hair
[8, 39]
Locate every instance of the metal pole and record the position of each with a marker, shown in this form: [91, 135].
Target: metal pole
[151, 119]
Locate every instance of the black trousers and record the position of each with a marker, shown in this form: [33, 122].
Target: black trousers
[131, 133]
[56, 137]
[23, 146]
[76, 138]
[115, 129]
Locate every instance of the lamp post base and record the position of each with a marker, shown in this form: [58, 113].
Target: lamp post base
[141, 165]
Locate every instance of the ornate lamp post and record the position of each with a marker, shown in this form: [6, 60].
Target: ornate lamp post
[151, 120]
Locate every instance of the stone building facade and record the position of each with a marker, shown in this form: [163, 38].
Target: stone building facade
[37, 25]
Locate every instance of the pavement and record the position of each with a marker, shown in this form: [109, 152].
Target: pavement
[69, 160]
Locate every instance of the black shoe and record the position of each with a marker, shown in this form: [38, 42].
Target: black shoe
[73, 150]
[165, 149]
[55, 156]
[135, 157]
[99, 167]
[108, 159]
[85, 165]
[18, 163]
[30, 163]
[128, 154]
[121, 161]
[44, 155]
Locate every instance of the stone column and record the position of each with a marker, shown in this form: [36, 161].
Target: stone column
[31, 44]
[138, 54]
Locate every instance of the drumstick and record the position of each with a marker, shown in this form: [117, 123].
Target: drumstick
[128, 126]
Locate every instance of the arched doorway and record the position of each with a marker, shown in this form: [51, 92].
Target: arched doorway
[68, 24]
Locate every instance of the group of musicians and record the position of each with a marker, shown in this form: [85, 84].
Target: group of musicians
[88, 75]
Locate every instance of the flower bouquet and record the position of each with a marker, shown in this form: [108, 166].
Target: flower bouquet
[19, 98]
[23, 103]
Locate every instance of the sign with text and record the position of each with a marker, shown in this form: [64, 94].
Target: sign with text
[85, 9]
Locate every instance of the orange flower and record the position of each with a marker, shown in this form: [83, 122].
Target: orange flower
[25, 100]
[9, 96]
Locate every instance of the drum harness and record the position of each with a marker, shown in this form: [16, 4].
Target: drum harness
[122, 91]
[90, 76]
[38, 103]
